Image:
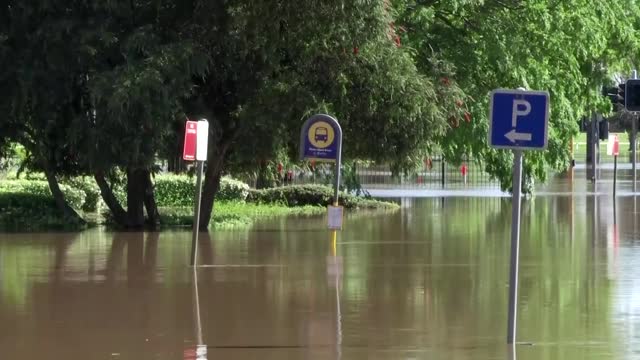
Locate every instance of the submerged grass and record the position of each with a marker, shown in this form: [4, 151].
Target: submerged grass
[236, 214]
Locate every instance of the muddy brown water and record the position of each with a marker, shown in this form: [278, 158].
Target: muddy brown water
[426, 282]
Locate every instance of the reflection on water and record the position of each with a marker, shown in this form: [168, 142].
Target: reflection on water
[429, 281]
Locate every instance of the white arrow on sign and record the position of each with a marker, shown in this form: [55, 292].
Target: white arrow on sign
[514, 136]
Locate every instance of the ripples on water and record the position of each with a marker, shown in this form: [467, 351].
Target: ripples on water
[428, 282]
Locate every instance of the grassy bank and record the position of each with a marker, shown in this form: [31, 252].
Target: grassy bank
[27, 205]
[235, 214]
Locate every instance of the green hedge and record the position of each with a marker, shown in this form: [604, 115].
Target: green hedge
[21, 211]
[179, 190]
[302, 195]
[75, 197]
[92, 198]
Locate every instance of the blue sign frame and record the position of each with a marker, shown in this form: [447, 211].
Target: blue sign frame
[518, 119]
[321, 139]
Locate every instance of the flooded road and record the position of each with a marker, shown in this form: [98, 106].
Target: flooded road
[427, 282]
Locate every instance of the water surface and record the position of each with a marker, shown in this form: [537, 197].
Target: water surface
[427, 282]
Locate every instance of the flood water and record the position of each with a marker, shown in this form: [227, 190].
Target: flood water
[427, 282]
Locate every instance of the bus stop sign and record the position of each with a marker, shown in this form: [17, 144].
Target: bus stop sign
[320, 139]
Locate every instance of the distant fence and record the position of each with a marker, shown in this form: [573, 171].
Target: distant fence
[580, 151]
[433, 174]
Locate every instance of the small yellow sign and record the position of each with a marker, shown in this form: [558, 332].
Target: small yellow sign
[321, 135]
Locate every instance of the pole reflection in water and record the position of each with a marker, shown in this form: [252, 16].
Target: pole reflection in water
[334, 272]
[201, 349]
[428, 282]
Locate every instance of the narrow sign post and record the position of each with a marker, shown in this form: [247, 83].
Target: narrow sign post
[613, 149]
[196, 139]
[517, 121]
[321, 140]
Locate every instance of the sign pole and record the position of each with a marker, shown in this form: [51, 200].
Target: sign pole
[634, 159]
[515, 245]
[613, 149]
[518, 120]
[615, 172]
[196, 214]
[634, 135]
[336, 185]
[321, 140]
[202, 141]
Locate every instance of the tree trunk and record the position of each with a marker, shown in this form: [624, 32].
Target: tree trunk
[263, 180]
[61, 203]
[209, 191]
[117, 211]
[135, 198]
[153, 216]
[213, 173]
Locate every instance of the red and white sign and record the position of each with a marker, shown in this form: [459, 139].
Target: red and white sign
[203, 140]
[613, 145]
[190, 140]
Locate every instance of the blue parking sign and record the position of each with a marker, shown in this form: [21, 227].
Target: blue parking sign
[518, 119]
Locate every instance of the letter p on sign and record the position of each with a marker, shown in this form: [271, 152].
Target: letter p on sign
[520, 108]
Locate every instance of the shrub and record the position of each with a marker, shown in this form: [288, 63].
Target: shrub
[301, 195]
[298, 195]
[174, 190]
[22, 211]
[92, 198]
[232, 190]
[75, 197]
[179, 190]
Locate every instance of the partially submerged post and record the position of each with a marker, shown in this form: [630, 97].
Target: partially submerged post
[517, 121]
[196, 139]
[321, 141]
[613, 149]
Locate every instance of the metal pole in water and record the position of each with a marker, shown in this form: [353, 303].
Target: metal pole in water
[634, 135]
[515, 246]
[634, 159]
[336, 190]
[196, 214]
[595, 146]
[615, 172]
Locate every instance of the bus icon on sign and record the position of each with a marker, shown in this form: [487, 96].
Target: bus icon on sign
[321, 134]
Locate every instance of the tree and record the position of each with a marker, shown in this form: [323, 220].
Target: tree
[41, 85]
[569, 48]
[274, 63]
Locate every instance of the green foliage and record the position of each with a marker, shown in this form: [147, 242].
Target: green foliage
[92, 199]
[351, 180]
[179, 190]
[235, 214]
[315, 195]
[569, 48]
[174, 190]
[28, 212]
[232, 190]
[29, 209]
[75, 197]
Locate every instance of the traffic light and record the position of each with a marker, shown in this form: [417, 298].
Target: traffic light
[603, 130]
[632, 95]
[615, 94]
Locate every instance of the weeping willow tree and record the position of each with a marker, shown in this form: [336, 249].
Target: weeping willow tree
[569, 48]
